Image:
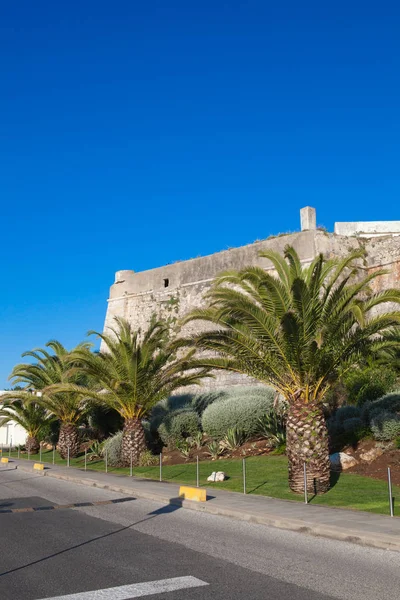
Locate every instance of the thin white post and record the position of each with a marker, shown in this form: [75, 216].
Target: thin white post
[40, 452]
[85, 459]
[305, 484]
[106, 461]
[68, 458]
[390, 493]
[244, 476]
[197, 471]
[160, 466]
[54, 454]
[131, 463]
[19, 450]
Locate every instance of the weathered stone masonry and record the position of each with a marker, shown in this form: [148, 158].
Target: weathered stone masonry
[173, 290]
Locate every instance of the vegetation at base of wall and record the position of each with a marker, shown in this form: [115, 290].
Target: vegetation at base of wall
[241, 407]
[369, 383]
[113, 447]
[147, 459]
[178, 426]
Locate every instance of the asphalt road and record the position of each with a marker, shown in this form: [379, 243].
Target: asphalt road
[137, 548]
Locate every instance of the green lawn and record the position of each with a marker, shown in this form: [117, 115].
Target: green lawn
[265, 475]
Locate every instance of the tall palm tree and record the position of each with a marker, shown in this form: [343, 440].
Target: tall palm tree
[66, 406]
[132, 375]
[32, 417]
[297, 330]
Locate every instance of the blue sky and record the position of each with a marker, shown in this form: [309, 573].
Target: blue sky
[134, 134]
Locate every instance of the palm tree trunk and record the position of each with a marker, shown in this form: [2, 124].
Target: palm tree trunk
[69, 438]
[32, 445]
[133, 442]
[307, 442]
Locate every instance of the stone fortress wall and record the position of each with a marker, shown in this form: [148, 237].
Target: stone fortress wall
[173, 290]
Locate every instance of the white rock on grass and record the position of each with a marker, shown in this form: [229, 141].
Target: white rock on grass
[217, 476]
[340, 461]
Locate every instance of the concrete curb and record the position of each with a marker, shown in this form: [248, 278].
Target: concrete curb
[381, 541]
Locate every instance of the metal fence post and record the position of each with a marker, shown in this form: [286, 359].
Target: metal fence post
[197, 471]
[19, 450]
[160, 467]
[85, 459]
[305, 483]
[40, 452]
[390, 493]
[131, 463]
[29, 455]
[54, 454]
[9, 449]
[106, 461]
[244, 476]
[68, 458]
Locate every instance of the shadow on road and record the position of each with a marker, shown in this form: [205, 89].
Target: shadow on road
[171, 507]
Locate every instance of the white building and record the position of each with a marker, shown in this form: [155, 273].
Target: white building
[12, 433]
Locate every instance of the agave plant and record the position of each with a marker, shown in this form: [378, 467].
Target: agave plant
[214, 449]
[272, 426]
[184, 447]
[233, 439]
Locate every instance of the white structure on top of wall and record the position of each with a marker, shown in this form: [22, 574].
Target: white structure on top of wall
[12, 433]
[368, 229]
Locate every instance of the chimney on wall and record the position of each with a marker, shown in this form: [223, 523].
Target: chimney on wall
[308, 218]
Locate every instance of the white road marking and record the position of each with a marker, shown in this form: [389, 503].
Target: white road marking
[136, 590]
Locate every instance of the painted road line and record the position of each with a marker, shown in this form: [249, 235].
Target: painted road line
[136, 590]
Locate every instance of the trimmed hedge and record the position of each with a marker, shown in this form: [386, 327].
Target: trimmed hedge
[178, 426]
[240, 407]
[113, 446]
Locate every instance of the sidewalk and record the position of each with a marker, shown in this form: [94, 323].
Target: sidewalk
[358, 527]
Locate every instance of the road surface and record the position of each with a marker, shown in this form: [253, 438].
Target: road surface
[122, 548]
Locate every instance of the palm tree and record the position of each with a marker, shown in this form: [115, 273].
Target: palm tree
[297, 330]
[132, 375]
[32, 417]
[66, 406]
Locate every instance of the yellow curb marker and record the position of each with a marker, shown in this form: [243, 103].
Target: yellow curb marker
[38, 466]
[189, 493]
[4, 459]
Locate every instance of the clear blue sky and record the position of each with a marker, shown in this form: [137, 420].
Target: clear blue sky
[134, 134]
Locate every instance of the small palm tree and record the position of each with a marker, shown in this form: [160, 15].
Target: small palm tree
[32, 417]
[132, 375]
[66, 406]
[297, 330]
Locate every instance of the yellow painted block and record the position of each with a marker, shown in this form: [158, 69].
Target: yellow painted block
[38, 466]
[4, 459]
[190, 493]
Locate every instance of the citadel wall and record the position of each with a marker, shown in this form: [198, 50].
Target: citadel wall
[172, 291]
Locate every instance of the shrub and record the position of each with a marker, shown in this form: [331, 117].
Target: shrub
[385, 425]
[241, 407]
[113, 446]
[369, 383]
[166, 407]
[390, 402]
[198, 402]
[179, 426]
[352, 425]
[347, 412]
[147, 459]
